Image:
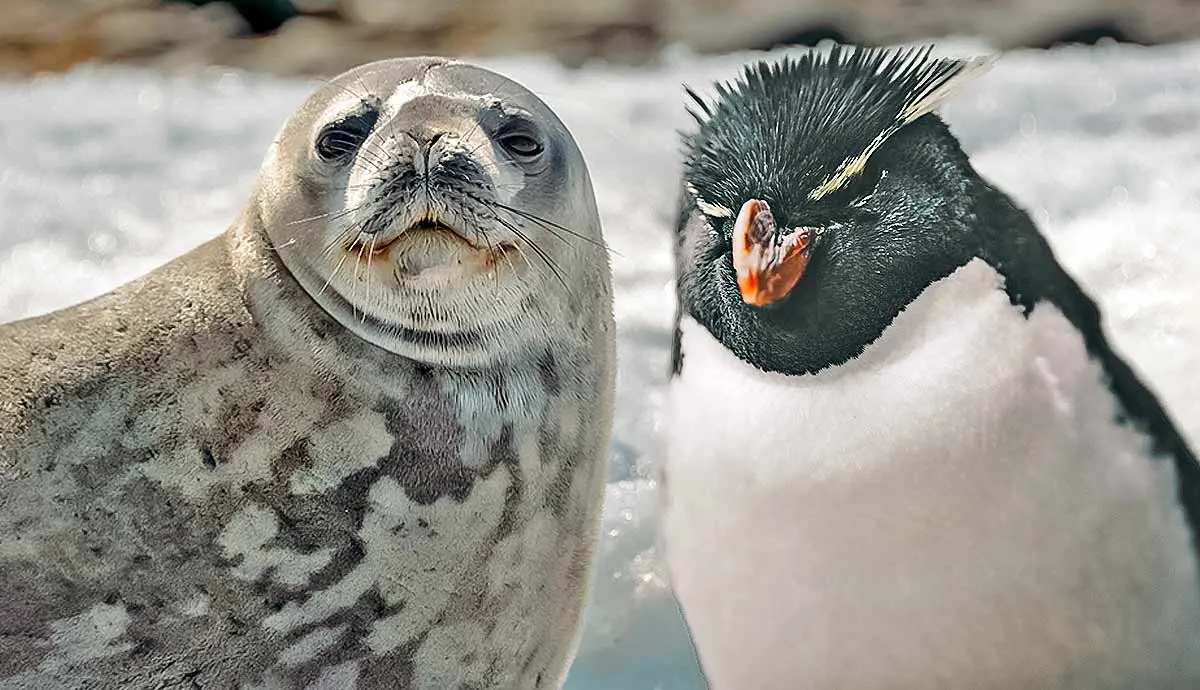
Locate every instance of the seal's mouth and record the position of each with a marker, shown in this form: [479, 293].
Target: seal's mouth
[427, 225]
[422, 232]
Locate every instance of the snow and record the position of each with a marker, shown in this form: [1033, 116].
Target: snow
[106, 173]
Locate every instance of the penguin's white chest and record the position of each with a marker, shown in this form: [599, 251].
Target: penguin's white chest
[956, 508]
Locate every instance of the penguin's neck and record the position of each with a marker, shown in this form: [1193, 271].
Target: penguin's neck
[957, 503]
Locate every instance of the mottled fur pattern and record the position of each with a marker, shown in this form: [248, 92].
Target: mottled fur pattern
[201, 494]
[206, 481]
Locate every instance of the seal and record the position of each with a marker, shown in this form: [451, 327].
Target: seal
[359, 440]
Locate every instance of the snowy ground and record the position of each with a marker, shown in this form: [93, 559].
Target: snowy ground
[106, 173]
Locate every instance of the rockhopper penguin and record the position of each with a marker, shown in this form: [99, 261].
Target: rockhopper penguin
[901, 451]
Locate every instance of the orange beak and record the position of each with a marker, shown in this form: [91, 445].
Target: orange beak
[768, 262]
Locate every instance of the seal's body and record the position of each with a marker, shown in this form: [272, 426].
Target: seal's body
[902, 453]
[354, 442]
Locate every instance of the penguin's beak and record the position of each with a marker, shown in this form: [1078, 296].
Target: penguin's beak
[769, 262]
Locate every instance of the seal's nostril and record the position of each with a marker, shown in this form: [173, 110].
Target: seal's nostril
[424, 138]
[425, 142]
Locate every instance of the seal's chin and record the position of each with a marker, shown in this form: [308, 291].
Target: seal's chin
[430, 249]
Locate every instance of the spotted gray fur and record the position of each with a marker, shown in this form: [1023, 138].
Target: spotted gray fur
[208, 481]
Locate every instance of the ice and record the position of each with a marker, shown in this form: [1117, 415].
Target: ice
[106, 173]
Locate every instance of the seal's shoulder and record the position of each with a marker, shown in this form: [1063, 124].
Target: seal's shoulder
[129, 334]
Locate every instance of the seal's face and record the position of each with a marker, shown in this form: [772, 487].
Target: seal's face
[433, 203]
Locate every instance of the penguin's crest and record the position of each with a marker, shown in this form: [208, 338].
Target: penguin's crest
[764, 124]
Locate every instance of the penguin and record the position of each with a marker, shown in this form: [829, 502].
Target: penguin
[900, 450]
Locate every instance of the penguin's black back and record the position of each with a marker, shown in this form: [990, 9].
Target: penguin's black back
[1033, 276]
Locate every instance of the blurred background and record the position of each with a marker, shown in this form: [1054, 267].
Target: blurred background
[314, 37]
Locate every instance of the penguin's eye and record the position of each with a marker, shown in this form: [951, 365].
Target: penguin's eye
[340, 140]
[857, 189]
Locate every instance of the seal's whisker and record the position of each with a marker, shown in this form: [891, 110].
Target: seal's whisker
[370, 253]
[540, 272]
[345, 148]
[374, 182]
[375, 158]
[552, 227]
[474, 150]
[510, 186]
[387, 133]
[378, 158]
[471, 132]
[340, 239]
[516, 275]
[335, 215]
[354, 290]
[333, 274]
[539, 251]
[491, 252]
[328, 215]
[277, 247]
[524, 257]
[330, 82]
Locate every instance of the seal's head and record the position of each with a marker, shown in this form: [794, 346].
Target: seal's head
[435, 208]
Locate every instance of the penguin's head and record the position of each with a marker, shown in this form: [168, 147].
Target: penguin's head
[820, 197]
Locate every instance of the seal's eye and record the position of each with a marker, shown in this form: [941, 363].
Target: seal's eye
[339, 140]
[520, 142]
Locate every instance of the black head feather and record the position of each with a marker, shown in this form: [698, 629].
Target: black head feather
[801, 129]
[841, 142]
